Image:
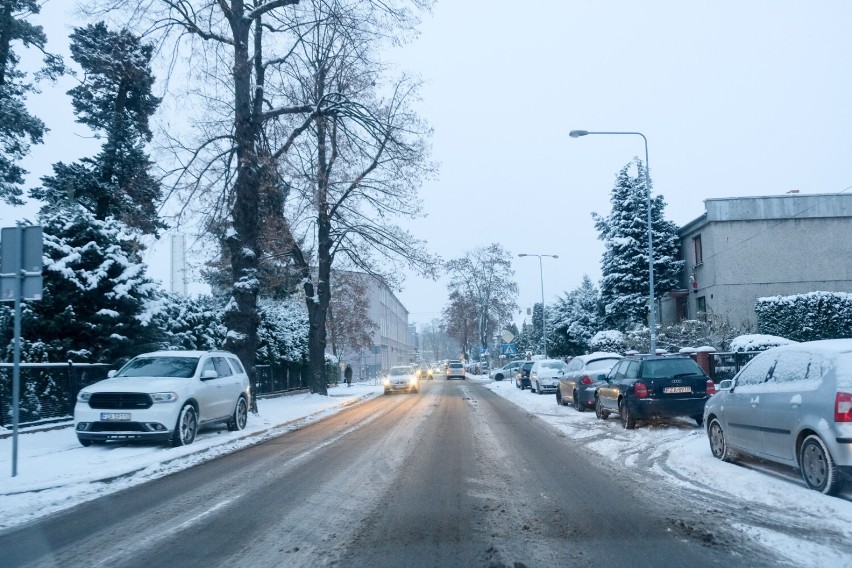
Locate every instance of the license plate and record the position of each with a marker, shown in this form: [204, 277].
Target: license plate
[107, 416]
[671, 390]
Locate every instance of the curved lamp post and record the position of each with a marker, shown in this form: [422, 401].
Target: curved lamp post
[652, 315]
[543, 317]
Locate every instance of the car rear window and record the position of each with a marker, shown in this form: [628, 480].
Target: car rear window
[604, 364]
[179, 367]
[456, 365]
[660, 368]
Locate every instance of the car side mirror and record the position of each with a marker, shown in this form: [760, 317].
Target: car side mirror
[111, 374]
[209, 374]
[726, 385]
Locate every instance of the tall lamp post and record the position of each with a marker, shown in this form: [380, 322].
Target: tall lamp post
[652, 312]
[543, 316]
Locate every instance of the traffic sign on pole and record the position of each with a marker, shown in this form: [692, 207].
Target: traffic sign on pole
[508, 348]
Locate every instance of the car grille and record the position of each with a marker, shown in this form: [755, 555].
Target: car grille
[117, 427]
[120, 400]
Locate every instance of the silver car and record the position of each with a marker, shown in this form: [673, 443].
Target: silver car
[585, 373]
[507, 371]
[545, 374]
[791, 405]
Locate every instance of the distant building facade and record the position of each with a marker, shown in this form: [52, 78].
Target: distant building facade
[391, 335]
[745, 248]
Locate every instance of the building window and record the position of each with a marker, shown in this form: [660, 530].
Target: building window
[699, 254]
[701, 307]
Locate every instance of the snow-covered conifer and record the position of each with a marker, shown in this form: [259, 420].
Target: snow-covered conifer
[624, 287]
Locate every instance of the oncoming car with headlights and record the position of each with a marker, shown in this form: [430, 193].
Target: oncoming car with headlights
[165, 396]
[402, 377]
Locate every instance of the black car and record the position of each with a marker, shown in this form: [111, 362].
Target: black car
[645, 386]
[522, 375]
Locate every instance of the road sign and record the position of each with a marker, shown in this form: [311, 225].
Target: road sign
[508, 348]
[508, 336]
[20, 263]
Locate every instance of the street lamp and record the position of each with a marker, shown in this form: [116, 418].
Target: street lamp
[543, 316]
[652, 315]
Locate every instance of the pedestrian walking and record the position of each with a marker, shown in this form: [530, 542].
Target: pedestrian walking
[347, 375]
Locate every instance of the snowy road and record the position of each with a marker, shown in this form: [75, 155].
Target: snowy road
[455, 476]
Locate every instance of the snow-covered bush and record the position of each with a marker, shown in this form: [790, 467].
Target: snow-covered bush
[609, 340]
[806, 317]
[95, 293]
[193, 323]
[283, 332]
[757, 342]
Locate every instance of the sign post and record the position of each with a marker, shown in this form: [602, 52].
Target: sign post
[20, 279]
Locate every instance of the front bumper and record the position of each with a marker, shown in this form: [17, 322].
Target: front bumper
[156, 423]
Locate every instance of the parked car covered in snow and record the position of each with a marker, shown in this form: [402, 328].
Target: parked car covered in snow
[545, 374]
[791, 405]
[584, 375]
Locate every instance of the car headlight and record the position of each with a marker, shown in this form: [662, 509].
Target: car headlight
[386, 381]
[83, 396]
[164, 396]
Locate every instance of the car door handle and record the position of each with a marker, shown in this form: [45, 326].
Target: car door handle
[755, 401]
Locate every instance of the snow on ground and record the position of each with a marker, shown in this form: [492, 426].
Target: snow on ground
[769, 503]
[55, 472]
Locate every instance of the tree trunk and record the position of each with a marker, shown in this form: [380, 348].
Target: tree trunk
[241, 317]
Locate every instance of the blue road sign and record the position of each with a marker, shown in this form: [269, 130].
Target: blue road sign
[508, 349]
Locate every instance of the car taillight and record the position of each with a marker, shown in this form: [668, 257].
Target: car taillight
[587, 380]
[843, 407]
[640, 390]
[711, 387]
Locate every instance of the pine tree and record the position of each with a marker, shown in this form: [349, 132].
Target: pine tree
[114, 100]
[576, 317]
[97, 300]
[19, 128]
[624, 287]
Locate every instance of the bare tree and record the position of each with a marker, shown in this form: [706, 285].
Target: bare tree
[355, 162]
[300, 152]
[484, 277]
[349, 325]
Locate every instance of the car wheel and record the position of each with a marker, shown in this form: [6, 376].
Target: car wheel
[628, 422]
[499, 377]
[699, 419]
[186, 427]
[240, 417]
[599, 410]
[818, 468]
[538, 388]
[577, 406]
[718, 444]
[559, 400]
[387, 391]
[85, 443]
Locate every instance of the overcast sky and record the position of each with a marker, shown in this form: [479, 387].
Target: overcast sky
[736, 98]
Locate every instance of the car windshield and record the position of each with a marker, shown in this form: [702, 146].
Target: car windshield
[659, 368]
[178, 367]
[553, 365]
[396, 371]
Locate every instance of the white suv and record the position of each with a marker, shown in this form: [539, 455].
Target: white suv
[164, 396]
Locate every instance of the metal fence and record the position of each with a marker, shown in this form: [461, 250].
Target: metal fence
[726, 365]
[275, 379]
[48, 390]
